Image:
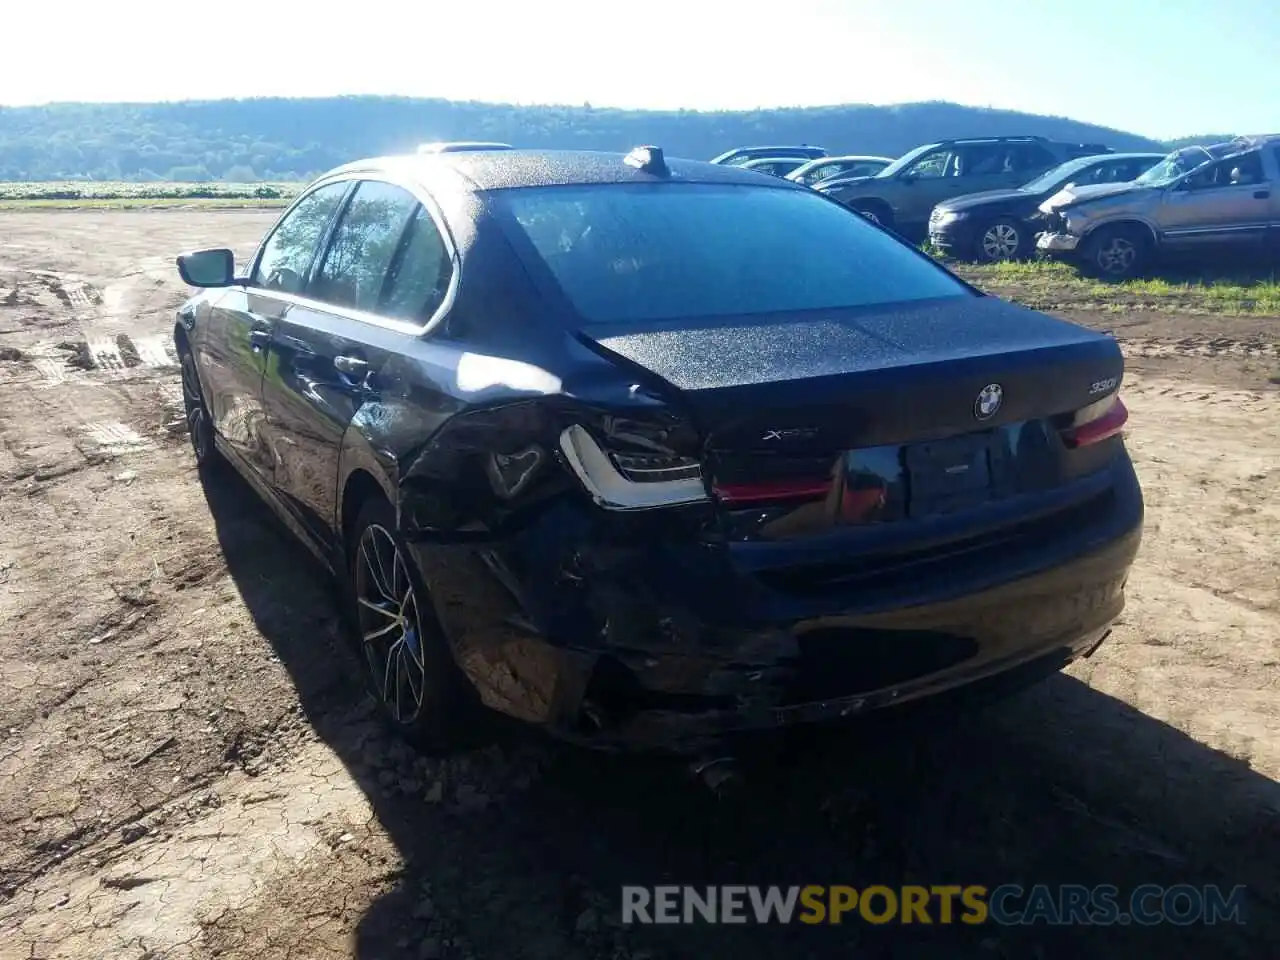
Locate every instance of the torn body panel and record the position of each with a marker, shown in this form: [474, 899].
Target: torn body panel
[660, 631]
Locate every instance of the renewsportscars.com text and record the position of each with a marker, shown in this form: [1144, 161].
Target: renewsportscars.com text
[1008, 904]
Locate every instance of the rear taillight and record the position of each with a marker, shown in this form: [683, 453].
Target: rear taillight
[774, 491]
[1096, 422]
[656, 467]
[631, 481]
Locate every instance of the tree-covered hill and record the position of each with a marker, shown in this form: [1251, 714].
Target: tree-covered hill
[281, 139]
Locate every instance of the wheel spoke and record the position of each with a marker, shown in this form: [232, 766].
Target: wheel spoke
[400, 681]
[382, 631]
[393, 652]
[380, 543]
[374, 566]
[370, 605]
[409, 614]
[397, 569]
[415, 692]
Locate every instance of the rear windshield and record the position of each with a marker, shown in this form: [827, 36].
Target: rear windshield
[648, 252]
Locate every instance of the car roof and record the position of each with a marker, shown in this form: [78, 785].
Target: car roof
[785, 149]
[504, 169]
[1109, 157]
[761, 161]
[819, 161]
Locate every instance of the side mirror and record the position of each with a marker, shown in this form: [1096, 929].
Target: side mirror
[907, 178]
[208, 268]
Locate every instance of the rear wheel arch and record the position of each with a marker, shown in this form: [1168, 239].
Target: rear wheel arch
[360, 487]
[363, 472]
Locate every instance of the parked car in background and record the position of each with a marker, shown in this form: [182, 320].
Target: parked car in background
[741, 155]
[1002, 224]
[609, 444]
[829, 168]
[1225, 197]
[903, 194]
[774, 166]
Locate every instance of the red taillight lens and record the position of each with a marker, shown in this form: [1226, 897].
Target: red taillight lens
[772, 491]
[1096, 422]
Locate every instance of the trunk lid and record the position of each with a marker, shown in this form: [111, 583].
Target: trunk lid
[928, 407]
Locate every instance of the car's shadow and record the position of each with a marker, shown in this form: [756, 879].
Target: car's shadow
[1060, 784]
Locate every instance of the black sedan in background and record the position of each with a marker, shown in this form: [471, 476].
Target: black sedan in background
[1000, 224]
[648, 451]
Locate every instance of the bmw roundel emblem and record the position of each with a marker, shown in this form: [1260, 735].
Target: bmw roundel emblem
[989, 400]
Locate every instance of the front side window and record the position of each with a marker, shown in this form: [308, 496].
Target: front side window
[288, 252]
[935, 164]
[1242, 170]
[363, 246]
[1097, 173]
[665, 252]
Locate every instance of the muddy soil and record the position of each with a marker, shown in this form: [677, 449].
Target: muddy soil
[188, 770]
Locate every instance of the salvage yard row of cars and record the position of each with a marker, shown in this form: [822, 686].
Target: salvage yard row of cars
[1003, 198]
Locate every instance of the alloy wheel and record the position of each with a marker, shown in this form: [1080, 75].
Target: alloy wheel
[1117, 255]
[1000, 241]
[198, 427]
[390, 626]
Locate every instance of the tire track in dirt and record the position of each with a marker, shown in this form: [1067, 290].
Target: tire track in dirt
[184, 772]
[87, 423]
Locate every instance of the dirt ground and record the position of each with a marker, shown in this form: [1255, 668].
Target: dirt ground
[188, 770]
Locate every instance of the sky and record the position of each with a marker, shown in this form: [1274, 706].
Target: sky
[1162, 68]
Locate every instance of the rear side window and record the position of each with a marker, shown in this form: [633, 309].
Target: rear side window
[288, 252]
[363, 246]
[419, 278]
[1030, 156]
[648, 252]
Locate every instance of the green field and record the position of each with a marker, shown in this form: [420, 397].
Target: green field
[102, 194]
[1046, 285]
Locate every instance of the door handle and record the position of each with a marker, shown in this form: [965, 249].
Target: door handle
[1261, 194]
[259, 339]
[354, 367]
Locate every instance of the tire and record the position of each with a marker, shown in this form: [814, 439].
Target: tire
[1002, 239]
[199, 423]
[1115, 253]
[409, 669]
[875, 211]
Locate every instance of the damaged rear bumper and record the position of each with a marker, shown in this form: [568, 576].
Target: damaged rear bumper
[615, 663]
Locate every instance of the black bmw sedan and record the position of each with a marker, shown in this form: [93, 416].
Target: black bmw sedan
[649, 451]
[1001, 224]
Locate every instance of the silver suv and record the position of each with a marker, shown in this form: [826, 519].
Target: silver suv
[1197, 198]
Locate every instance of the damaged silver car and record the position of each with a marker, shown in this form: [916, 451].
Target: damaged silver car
[1222, 196]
